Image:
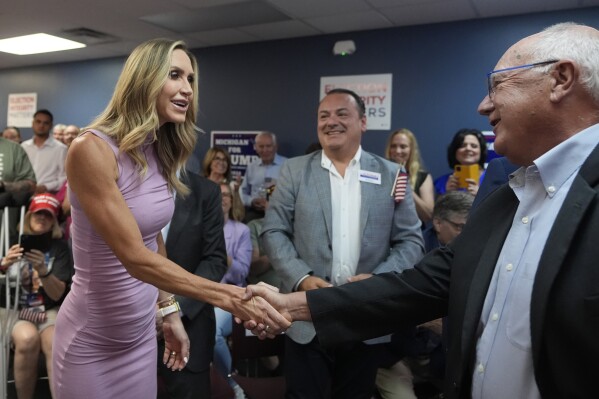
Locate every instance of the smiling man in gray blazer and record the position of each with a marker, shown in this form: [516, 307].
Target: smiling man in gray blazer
[334, 219]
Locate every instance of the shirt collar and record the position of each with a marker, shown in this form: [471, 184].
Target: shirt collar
[326, 163]
[559, 163]
[276, 161]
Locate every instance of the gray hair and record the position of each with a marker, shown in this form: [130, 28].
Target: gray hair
[566, 41]
[451, 203]
[267, 133]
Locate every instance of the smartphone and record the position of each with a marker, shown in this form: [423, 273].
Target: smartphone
[41, 242]
[463, 172]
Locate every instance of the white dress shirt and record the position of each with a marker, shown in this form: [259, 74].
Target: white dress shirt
[346, 201]
[48, 162]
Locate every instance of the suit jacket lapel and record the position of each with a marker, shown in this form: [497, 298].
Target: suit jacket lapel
[368, 191]
[560, 238]
[322, 185]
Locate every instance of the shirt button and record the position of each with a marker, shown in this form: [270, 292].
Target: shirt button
[495, 317]
[551, 189]
[480, 368]
[525, 219]
[509, 267]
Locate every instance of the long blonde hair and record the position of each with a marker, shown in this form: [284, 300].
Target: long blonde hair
[414, 163]
[131, 116]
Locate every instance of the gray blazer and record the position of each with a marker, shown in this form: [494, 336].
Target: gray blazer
[297, 231]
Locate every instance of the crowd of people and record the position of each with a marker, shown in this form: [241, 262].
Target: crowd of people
[147, 265]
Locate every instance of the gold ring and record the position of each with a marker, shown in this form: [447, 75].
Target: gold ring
[173, 353]
[267, 328]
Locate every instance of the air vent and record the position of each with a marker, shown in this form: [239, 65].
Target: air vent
[89, 36]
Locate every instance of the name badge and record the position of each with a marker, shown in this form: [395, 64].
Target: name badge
[370, 177]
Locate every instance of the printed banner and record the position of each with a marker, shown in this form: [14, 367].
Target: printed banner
[375, 90]
[21, 107]
[239, 145]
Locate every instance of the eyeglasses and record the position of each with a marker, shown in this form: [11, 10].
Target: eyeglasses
[457, 226]
[225, 194]
[491, 84]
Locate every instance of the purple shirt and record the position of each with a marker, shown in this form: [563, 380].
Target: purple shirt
[239, 247]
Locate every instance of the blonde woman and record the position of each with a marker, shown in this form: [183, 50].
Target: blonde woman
[122, 171]
[402, 147]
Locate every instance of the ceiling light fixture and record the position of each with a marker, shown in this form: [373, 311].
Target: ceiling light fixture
[36, 44]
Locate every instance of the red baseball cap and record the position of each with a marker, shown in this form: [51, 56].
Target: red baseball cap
[45, 202]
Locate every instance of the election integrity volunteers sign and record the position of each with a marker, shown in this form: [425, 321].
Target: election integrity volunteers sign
[21, 107]
[375, 90]
[239, 145]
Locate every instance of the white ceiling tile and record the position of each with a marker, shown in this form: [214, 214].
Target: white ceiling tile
[223, 36]
[357, 21]
[316, 8]
[280, 30]
[450, 10]
[492, 8]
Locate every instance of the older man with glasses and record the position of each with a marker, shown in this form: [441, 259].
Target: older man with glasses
[521, 282]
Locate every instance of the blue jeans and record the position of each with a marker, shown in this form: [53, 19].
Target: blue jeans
[222, 355]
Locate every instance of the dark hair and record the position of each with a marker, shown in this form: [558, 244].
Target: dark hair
[45, 112]
[359, 101]
[451, 203]
[458, 140]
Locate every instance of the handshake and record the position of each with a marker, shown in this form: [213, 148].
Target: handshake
[267, 313]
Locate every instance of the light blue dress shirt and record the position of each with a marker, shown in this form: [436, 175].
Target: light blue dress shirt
[504, 367]
[256, 175]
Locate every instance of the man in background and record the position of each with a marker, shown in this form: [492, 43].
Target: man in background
[195, 241]
[260, 175]
[46, 154]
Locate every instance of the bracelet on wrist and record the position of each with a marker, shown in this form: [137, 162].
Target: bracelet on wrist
[165, 311]
[167, 302]
[45, 275]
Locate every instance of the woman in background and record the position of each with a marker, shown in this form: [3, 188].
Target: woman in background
[45, 278]
[468, 147]
[402, 147]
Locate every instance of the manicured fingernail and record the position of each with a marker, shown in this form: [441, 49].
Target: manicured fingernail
[185, 359]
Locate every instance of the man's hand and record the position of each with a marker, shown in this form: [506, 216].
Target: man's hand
[259, 204]
[312, 283]
[359, 277]
[265, 316]
[40, 189]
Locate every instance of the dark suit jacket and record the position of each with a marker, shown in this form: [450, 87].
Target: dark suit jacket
[195, 241]
[564, 306]
[497, 173]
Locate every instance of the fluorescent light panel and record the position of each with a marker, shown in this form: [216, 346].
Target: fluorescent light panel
[36, 44]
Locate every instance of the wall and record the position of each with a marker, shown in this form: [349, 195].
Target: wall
[439, 77]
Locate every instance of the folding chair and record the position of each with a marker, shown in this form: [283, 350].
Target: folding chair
[7, 318]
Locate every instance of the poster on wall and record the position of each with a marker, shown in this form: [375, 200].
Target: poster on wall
[21, 107]
[239, 145]
[375, 90]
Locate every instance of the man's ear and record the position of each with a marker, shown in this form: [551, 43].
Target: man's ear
[564, 74]
[436, 224]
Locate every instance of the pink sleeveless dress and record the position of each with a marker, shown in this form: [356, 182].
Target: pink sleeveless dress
[105, 337]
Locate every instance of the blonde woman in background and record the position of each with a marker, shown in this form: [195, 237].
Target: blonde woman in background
[402, 148]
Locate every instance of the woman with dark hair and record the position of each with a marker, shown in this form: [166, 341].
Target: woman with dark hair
[468, 147]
